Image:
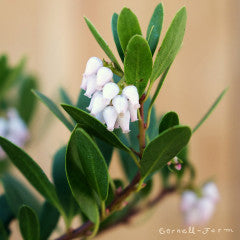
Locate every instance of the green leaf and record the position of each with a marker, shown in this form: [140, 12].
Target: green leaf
[106, 150]
[205, 117]
[61, 184]
[92, 162]
[115, 35]
[31, 170]
[48, 219]
[138, 63]
[170, 45]
[163, 148]
[6, 214]
[155, 27]
[127, 27]
[17, 195]
[28, 223]
[64, 96]
[94, 127]
[102, 43]
[169, 120]
[83, 101]
[79, 186]
[27, 101]
[54, 109]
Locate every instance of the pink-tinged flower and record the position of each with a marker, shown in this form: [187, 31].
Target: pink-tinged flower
[178, 166]
[210, 191]
[120, 103]
[104, 75]
[124, 121]
[189, 198]
[93, 65]
[133, 112]
[91, 86]
[110, 90]
[98, 104]
[110, 116]
[131, 93]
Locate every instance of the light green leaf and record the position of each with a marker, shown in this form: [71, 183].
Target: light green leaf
[31, 170]
[102, 43]
[48, 219]
[53, 108]
[115, 35]
[27, 101]
[138, 63]
[93, 127]
[92, 162]
[170, 45]
[155, 27]
[205, 117]
[79, 186]
[17, 195]
[127, 27]
[163, 148]
[169, 120]
[28, 223]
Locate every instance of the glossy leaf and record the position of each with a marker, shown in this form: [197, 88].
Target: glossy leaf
[31, 170]
[79, 186]
[27, 101]
[127, 27]
[17, 195]
[169, 120]
[61, 184]
[170, 45]
[106, 150]
[102, 43]
[48, 219]
[93, 127]
[163, 148]
[115, 36]
[28, 223]
[155, 27]
[54, 109]
[138, 63]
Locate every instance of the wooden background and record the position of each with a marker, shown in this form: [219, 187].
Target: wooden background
[54, 37]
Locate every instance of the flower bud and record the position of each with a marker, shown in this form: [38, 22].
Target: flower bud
[210, 191]
[104, 75]
[93, 65]
[178, 166]
[110, 116]
[133, 112]
[91, 86]
[131, 93]
[110, 90]
[124, 120]
[189, 198]
[120, 103]
[98, 104]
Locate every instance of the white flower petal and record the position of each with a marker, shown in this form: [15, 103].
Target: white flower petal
[189, 198]
[110, 116]
[91, 85]
[133, 112]
[110, 90]
[131, 93]
[124, 121]
[98, 104]
[210, 191]
[104, 75]
[120, 103]
[93, 66]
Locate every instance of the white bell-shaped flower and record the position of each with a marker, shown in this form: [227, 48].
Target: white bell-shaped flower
[89, 108]
[110, 90]
[124, 121]
[93, 65]
[206, 208]
[104, 75]
[110, 116]
[133, 112]
[84, 82]
[120, 103]
[210, 191]
[3, 127]
[131, 93]
[91, 86]
[100, 118]
[98, 104]
[189, 198]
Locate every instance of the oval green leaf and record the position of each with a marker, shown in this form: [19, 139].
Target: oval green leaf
[169, 120]
[127, 27]
[163, 148]
[155, 28]
[170, 45]
[28, 223]
[138, 63]
[93, 127]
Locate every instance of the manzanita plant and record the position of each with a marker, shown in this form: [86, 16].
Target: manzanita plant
[114, 111]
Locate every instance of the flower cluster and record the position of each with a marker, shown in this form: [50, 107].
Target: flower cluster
[109, 104]
[198, 210]
[14, 129]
